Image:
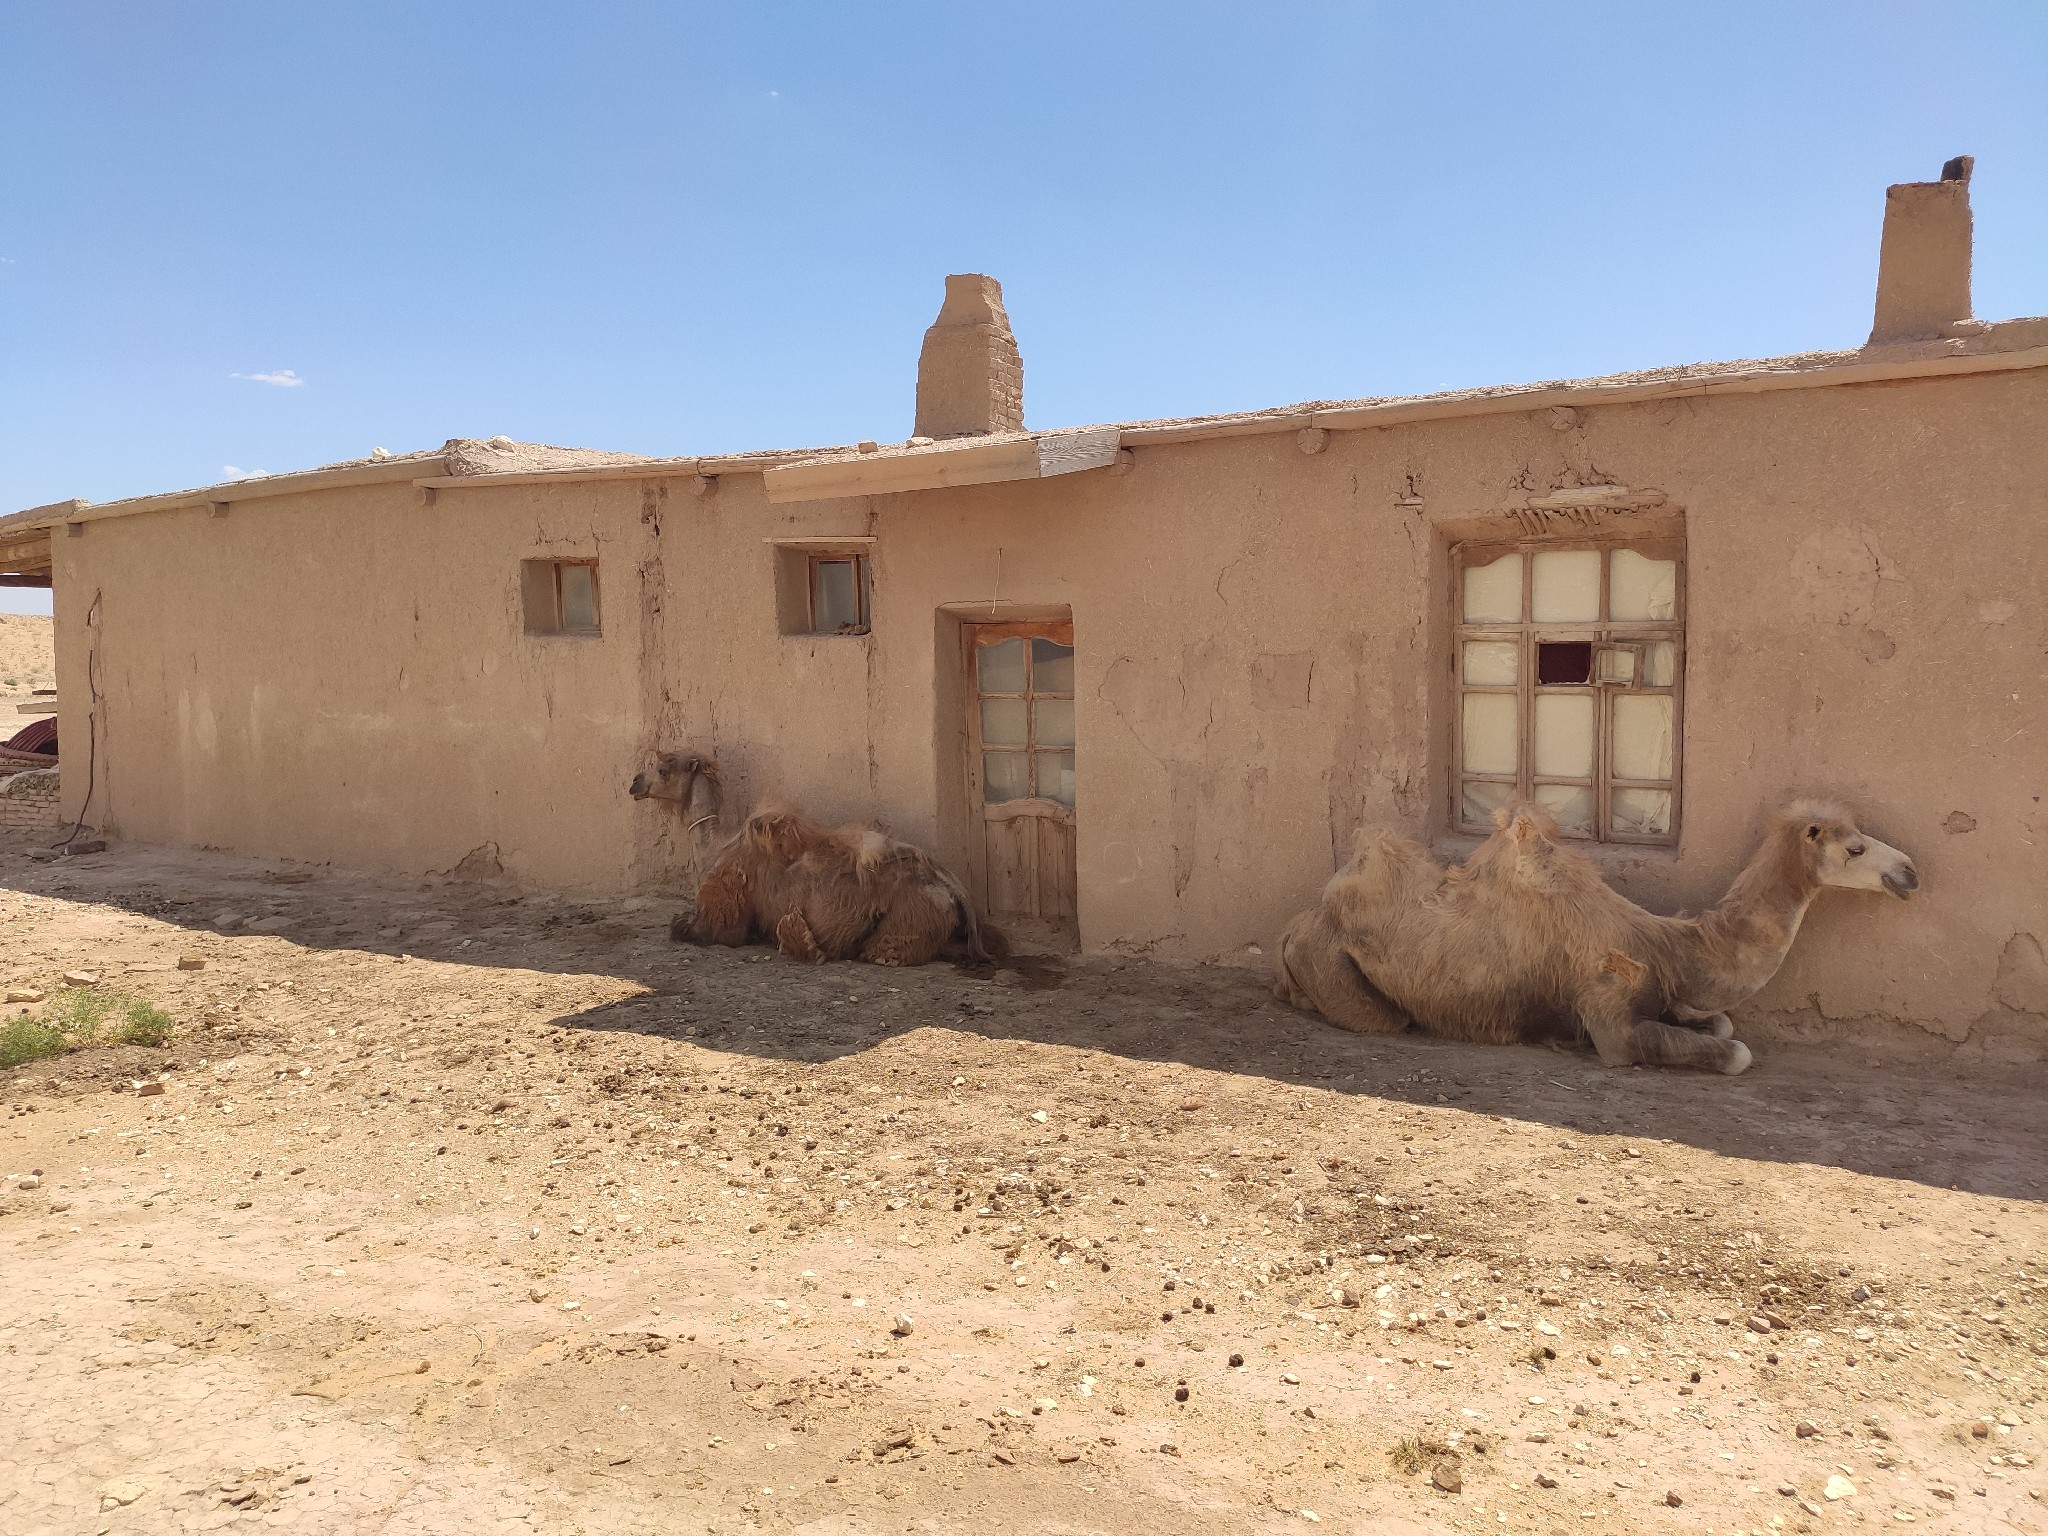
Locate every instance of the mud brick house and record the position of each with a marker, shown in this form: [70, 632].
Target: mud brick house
[1143, 681]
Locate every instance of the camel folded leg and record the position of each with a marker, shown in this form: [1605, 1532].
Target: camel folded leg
[1312, 972]
[1625, 1039]
[915, 929]
[794, 938]
[1719, 1025]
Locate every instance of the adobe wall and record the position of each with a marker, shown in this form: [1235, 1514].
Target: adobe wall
[1261, 637]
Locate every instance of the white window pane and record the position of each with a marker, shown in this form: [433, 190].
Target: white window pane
[1005, 776]
[1641, 588]
[836, 603]
[1001, 666]
[1571, 805]
[1564, 735]
[1642, 812]
[1003, 723]
[1052, 722]
[1490, 733]
[1642, 736]
[1052, 667]
[579, 597]
[1493, 592]
[1614, 665]
[1660, 663]
[1481, 800]
[1492, 661]
[1564, 586]
[1055, 776]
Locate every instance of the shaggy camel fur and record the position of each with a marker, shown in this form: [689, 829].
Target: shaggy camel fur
[836, 893]
[1526, 940]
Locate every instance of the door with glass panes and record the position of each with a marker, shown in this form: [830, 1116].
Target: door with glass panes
[1020, 766]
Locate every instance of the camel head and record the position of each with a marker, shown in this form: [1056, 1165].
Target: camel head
[1837, 853]
[675, 777]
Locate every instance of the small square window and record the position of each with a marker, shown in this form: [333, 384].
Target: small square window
[839, 588]
[560, 597]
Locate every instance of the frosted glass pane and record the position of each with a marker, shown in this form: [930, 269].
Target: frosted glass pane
[1490, 733]
[836, 602]
[1002, 666]
[1052, 667]
[1493, 592]
[1564, 586]
[1643, 812]
[579, 597]
[1005, 776]
[1614, 666]
[1052, 722]
[1641, 588]
[1564, 735]
[1055, 776]
[1572, 806]
[1492, 661]
[1660, 664]
[1002, 723]
[1642, 736]
[1481, 800]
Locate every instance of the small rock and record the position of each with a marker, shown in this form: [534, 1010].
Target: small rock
[31, 1182]
[903, 1325]
[536, 1294]
[1236, 1361]
[1759, 1325]
[1447, 1476]
[1861, 1293]
[1290, 1378]
[1673, 1500]
[227, 919]
[1545, 1480]
[1787, 1490]
[149, 1090]
[1807, 1429]
[81, 978]
[122, 1492]
[24, 994]
[267, 924]
[1839, 1487]
[1005, 1459]
[1040, 1116]
[191, 962]
[1189, 1106]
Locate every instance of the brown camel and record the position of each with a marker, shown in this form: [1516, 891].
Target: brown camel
[1526, 940]
[836, 893]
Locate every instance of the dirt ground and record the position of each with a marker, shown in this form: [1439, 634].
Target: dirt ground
[27, 661]
[466, 1209]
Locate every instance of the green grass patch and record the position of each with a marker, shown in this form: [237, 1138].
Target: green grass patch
[82, 1016]
[26, 1040]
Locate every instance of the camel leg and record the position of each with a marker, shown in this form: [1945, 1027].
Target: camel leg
[1312, 972]
[1719, 1025]
[793, 938]
[1624, 1038]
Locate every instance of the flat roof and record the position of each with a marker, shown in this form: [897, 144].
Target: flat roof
[869, 468]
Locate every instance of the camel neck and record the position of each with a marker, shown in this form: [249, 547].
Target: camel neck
[1749, 931]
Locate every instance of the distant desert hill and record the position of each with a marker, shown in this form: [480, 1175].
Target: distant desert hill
[28, 658]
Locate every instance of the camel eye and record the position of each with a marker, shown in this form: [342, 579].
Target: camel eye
[1856, 852]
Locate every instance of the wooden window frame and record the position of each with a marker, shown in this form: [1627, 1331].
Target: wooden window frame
[557, 623]
[1606, 635]
[863, 586]
[973, 637]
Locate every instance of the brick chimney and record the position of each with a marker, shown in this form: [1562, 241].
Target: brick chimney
[970, 380]
[1923, 267]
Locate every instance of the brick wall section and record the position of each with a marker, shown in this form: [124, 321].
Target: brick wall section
[29, 800]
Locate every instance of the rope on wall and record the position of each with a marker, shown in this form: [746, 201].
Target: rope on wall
[92, 716]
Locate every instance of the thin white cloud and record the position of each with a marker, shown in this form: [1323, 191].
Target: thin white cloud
[229, 472]
[284, 378]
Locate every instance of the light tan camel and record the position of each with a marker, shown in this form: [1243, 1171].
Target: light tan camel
[682, 779]
[836, 893]
[1525, 940]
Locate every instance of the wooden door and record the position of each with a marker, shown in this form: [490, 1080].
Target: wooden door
[1020, 766]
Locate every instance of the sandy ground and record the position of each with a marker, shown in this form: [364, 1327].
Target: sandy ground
[468, 1210]
[28, 661]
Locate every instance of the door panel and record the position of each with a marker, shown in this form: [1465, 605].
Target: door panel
[1021, 772]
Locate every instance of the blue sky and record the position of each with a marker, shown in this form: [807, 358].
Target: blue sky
[266, 236]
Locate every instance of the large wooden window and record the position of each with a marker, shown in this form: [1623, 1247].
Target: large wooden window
[1569, 668]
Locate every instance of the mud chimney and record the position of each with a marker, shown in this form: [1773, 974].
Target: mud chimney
[1923, 267]
[970, 379]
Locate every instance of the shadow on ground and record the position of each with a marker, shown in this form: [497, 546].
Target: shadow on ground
[1943, 1125]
